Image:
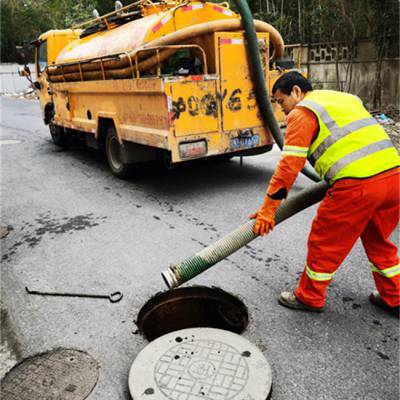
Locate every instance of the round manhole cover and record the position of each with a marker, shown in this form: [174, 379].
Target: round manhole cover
[200, 364]
[60, 374]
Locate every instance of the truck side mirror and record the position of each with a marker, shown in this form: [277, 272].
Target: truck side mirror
[24, 71]
[21, 55]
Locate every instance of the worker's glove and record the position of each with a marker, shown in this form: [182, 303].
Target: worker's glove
[265, 216]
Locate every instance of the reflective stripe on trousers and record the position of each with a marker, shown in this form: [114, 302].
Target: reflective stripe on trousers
[366, 209]
[387, 272]
[318, 276]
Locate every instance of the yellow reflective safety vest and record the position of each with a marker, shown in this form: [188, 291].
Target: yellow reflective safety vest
[350, 142]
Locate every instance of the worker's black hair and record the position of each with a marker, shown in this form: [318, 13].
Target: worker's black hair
[286, 82]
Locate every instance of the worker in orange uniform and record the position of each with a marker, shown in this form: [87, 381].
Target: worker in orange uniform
[351, 151]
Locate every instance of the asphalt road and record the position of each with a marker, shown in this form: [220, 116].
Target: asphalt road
[75, 227]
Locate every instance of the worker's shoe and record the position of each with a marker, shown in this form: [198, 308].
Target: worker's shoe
[376, 299]
[288, 299]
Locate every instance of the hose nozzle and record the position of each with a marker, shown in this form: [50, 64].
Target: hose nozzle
[171, 277]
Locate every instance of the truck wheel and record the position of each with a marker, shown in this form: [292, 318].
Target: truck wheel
[164, 158]
[57, 134]
[114, 155]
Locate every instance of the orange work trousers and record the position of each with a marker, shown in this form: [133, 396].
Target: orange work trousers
[352, 208]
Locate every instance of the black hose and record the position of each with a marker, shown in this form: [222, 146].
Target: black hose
[257, 72]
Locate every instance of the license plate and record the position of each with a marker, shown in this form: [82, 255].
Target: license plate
[245, 142]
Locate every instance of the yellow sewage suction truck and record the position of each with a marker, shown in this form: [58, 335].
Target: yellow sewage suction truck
[167, 80]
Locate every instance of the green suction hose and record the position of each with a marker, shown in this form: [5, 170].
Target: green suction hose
[262, 97]
[187, 269]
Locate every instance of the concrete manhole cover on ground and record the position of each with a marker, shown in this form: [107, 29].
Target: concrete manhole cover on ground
[200, 364]
[62, 374]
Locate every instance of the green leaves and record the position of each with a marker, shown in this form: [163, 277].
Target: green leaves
[299, 21]
[24, 20]
[304, 21]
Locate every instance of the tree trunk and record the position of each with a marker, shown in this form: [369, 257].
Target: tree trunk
[350, 40]
[338, 85]
[299, 20]
[377, 102]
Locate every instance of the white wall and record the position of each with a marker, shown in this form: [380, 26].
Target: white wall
[319, 63]
[10, 81]
[363, 81]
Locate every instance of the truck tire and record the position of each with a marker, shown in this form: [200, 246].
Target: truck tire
[114, 155]
[164, 159]
[57, 134]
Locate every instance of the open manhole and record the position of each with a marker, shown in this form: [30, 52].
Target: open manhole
[200, 364]
[59, 374]
[191, 307]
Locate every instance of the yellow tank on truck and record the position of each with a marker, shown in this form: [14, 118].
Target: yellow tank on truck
[129, 41]
[131, 36]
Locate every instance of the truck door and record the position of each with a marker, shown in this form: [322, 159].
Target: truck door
[194, 105]
[41, 62]
[238, 104]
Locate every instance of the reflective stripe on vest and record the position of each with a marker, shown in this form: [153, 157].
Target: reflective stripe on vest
[336, 132]
[357, 155]
[318, 276]
[387, 272]
[350, 143]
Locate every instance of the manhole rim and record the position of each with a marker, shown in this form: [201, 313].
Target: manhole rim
[214, 293]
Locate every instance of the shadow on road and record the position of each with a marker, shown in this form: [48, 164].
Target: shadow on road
[188, 177]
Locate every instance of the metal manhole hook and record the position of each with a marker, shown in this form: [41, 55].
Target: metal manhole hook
[114, 297]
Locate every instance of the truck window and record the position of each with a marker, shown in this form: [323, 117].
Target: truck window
[42, 57]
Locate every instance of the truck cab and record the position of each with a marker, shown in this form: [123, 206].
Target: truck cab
[47, 48]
